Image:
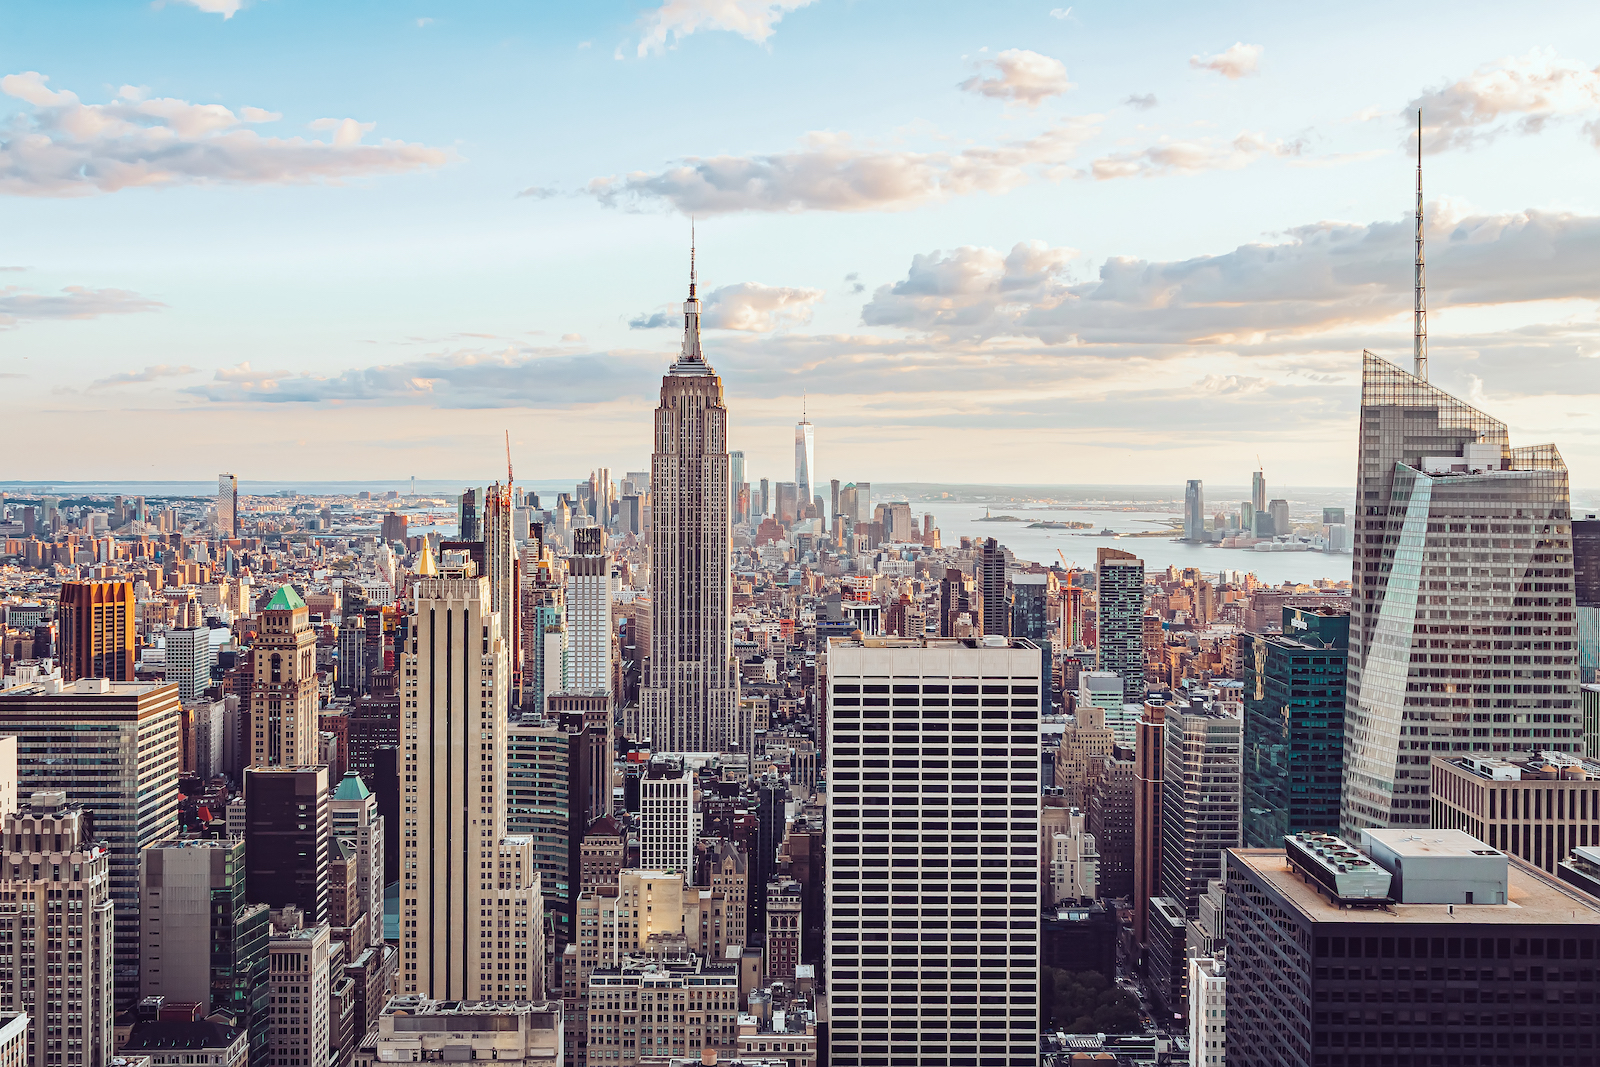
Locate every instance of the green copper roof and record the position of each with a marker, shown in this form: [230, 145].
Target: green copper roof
[285, 599]
[351, 787]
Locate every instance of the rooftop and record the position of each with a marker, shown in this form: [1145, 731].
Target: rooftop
[991, 641]
[1533, 897]
[285, 599]
[351, 787]
[1527, 766]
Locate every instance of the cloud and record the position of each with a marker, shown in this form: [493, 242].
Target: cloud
[1020, 77]
[1062, 13]
[1142, 103]
[1192, 157]
[831, 173]
[754, 20]
[424, 22]
[1237, 62]
[536, 192]
[747, 306]
[73, 302]
[63, 147]
[226, 8]
[1526, 92]
[854, 281]
[1320, 277]
[149, 374]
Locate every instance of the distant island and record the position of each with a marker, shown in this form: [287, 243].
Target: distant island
[1000, 518]
[1060, 525]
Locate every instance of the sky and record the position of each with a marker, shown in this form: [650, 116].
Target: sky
[1107, 243]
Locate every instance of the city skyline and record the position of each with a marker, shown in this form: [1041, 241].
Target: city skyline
[415, 274]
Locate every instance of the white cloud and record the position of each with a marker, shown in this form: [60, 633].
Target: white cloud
[1192, 157]
[830, 172]
[73, 302]
[1527, 92]
[149, 374]
[1237, 62]
[1142, 102]
[754, 20]
[226, 8]
[1062, 13]
[746, 306]
[63, 147]
[1021, 77]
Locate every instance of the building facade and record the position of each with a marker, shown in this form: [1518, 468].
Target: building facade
[1121, 599]
[97, 624]
[287, 834]
[283, 692]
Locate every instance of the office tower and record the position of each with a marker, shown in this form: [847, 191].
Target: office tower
[455, 850]
[189, 657]
[1332, 516]
[669, 823]
[690, 699]
[989, 578]
[53, 863]
[940, 684]
[589, 625]
[623, 998]
[352, 673]
[97, 626]
[770, 795]
[228, 505]
[805, 461]
[600, 855]
[1087, 740]
[1435, 477]
[1121, 596]
[1200, 797]
[500, 567]
[1586, 595]
[955, 600]
[287, 830]
[833, 500]
[1258, 491]
[781, 951]
[1294, 725]
[736, 482]
[1537, 806]
[537, 807]
[526, 1034]
[544, 628]
[1194, 510]
[1149, 762]
[1110, 820]
[283, 691]
[125, 743]
[353, 818]
[1074, 862]
[790, 506]
[766, 498]
[1279, 510]
[1473, 930]
[863, 502]
[1208, 1014]
[467, 527]
[301, 974]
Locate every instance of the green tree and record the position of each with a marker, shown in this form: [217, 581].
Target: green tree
[1085, 1002]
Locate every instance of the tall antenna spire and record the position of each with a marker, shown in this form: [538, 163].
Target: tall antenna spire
[1420, 313]
[691, 254]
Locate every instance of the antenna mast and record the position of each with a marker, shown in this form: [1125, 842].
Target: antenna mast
[1419, 352]
[508, 466]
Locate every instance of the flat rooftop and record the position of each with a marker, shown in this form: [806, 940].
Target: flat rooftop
[1526, 766]
[1532, 897]
[991, 641]
[1436, 844]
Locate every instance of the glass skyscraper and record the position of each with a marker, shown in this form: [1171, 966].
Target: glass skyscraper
[1461, 616]
[1120, 578]
[1194, 510]
[1294, 725]
[805, 463]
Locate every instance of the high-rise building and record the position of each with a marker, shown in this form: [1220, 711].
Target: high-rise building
[766, 498]
[1149, 762]
[669, 822]
[1110, 820]
[1208, 1011]
[287, 833]
[1279, 510]
[989, 576]
[781, 950]
[1294, 725]
[283, 691]
[1074, 862]
[301, 975]
[522, 1034]
[126, 755]
[690, 699]
[189, 660]
[833, 500]
[1454, 533]
[353, 818]
[1258, 491]
[940, 684]
[1121, 597]
[467, 526]
[790, 506]
[1087, 740]
[228, 505]
[500, 567]
[455, 852]
[736, 483]
[1194, 510]
[537, 807]
[805, 461]
[1586, 595]
[1473, 932]
[98, 632]
[62, 875]
[1537, 806]
[1200, 796]
[589, 620]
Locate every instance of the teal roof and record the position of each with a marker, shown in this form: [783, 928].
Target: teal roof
[351, 787]
[285, 599]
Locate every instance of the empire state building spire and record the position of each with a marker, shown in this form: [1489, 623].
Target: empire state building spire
[1419, 354]
[692, 360]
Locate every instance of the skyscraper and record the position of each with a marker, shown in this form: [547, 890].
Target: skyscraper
[500, 567]
[228, 505]
[97, 630]
[1149, 763]
[588, 612]
[937, 683]
[1200, 785]
[1194, 510]
[1258, 490]
[467, 528]
[1121, 597]
[690, 699]
[736, 484]
[805, 461]
[283, 694]
[287, 831]
[1454, 534]
[189, 656]
[990, 578]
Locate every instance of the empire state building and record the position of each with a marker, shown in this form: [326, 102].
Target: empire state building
[690, 700]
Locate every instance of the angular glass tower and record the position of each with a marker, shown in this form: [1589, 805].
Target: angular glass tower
[1461, 616]
[805, 462]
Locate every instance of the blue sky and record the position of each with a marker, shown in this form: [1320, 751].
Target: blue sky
[1104, 243]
